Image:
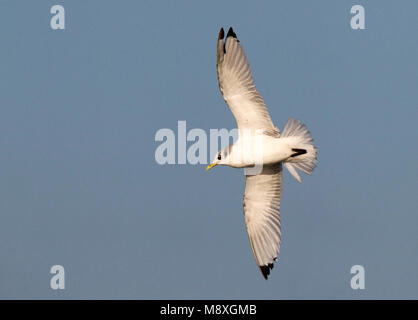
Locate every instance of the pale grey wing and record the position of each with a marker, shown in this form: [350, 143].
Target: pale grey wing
[237, 85]
[262, 218]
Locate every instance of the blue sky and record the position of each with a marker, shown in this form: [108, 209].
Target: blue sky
[80, 186]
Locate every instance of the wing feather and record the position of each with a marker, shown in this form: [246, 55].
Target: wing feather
[261, 208]
[237, 86]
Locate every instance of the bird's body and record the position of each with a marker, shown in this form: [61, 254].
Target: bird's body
[260, 146]
[252, 148]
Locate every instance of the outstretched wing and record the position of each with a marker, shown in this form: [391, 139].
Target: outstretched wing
[237, 85]
[261, 208]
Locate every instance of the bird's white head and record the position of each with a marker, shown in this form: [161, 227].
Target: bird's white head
[221, 158]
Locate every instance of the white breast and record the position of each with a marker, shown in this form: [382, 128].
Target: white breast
[258, 149]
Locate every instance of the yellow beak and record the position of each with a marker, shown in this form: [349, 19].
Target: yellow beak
[210, 166]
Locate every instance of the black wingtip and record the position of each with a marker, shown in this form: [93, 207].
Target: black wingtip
[231, 33]
[297, 152]
[221, 34]
[265, 270]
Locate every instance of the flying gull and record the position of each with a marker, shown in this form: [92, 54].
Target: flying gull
[259, 146]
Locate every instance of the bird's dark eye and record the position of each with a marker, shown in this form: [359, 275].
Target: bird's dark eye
[219, 156]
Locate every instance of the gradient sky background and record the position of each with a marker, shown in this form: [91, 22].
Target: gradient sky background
[79, 185]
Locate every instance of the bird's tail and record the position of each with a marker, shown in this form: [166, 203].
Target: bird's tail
[304, 151]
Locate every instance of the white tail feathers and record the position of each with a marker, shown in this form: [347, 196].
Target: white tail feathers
[299, 138]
